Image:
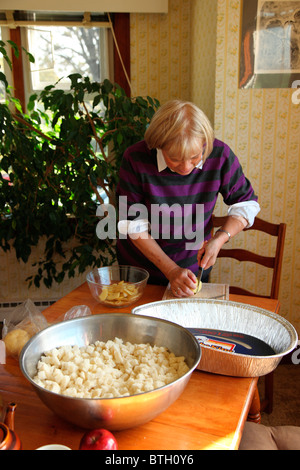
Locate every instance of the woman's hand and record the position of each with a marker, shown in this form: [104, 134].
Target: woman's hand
[209, 250]
[183, 282]
[208, 253]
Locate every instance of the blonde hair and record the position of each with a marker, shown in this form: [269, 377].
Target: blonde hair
[178, 126]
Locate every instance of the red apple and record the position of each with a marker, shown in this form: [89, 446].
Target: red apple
[98, 439]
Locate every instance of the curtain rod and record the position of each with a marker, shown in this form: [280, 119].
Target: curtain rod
[86, 22]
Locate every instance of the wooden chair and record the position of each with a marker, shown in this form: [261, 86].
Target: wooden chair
[272, 262]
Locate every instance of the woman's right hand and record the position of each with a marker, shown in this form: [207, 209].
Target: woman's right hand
[208, 253]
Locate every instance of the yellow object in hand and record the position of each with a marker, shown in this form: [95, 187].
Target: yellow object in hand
[198, 288]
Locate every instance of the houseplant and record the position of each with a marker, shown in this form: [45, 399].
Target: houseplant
[59, 160]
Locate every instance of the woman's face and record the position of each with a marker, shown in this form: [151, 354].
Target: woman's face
[183, 165]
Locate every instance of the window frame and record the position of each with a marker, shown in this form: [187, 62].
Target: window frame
[121, 25]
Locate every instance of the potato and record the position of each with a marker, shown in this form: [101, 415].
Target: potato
[15, 340]
[119, 293]
[198, 288]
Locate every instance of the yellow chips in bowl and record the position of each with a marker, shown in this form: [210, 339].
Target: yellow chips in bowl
[119, 293]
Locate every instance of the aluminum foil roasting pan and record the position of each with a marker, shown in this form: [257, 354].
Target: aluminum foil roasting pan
[228, 316]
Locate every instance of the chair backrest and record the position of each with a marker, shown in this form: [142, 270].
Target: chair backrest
[273, 262]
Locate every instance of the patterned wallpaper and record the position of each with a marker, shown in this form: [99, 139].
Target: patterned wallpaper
[178, 55]
[160, 52]
[203, 55]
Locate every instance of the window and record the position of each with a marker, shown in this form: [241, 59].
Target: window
[17, 24]
[62, 50]
[62, 44]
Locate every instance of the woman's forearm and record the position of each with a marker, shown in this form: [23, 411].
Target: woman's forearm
[232, 226]
[149, 247]
[182, 281]
[208, 253]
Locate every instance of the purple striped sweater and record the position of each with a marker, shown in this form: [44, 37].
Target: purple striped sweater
[192, 199]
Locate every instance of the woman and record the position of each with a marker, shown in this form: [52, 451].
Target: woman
[169, 185]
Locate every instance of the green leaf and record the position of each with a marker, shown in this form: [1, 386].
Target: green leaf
[74, 77]
[15, 47]
[3, 79]
[30, 56]
[30, 105]
[107, 87]
[96, 100]
[119, 138]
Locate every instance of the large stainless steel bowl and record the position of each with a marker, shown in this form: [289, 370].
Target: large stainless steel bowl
[113, 413]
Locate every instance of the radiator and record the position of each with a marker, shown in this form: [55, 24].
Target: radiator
[7, 307]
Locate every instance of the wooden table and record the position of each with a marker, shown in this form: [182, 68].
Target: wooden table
[210, 413]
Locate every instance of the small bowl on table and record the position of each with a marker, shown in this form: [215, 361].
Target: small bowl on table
[117, 286]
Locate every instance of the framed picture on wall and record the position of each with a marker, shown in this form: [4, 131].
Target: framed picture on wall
[270, 44]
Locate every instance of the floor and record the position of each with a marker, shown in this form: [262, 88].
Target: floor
[286, 409]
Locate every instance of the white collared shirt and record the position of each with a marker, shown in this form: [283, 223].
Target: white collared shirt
[161, 162]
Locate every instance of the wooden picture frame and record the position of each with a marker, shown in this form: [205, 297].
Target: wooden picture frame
[270, 44]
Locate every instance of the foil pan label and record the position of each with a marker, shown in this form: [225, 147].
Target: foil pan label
[237, 343]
